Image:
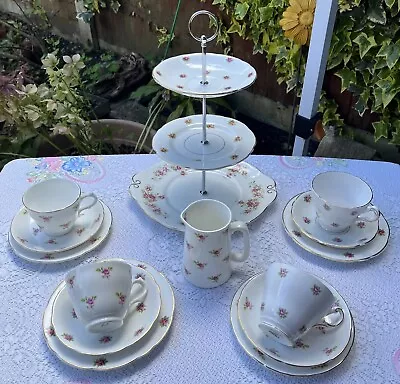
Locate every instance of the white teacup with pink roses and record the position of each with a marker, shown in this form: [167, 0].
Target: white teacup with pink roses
[103, 293]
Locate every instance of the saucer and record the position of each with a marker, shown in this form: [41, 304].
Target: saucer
[127, 355]
[30, 236]
[273, 364]
[54, 258]
[366, 252]
[304, 216]
[180, 142]
[73, 334]
[316, 347]
[225, 75]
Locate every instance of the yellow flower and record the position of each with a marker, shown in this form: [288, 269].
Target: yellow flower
[298, 19]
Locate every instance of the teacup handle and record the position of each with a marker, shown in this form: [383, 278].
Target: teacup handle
[372, 214]
[141, 294]
[87, 206]
[327, 320]
[239, 226]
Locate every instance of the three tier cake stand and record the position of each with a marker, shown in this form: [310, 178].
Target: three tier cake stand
[203, 155]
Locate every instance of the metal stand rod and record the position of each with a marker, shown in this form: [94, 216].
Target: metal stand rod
[203, 183]
[204, 82]
[324, 21]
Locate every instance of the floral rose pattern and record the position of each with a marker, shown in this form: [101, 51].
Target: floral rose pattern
[296, 233]
[361, 224]
[201, 237]
[141, 307]
[67, 337]
[105, 272]
[36, 231]
[46, 219]
[121, 297]
[328, 351]
[50, 331]
[66, 225]
[215, 278]
[307, 198]
[79, 231]
[282, 313]
[300, 344]
[89, 301]
[337, 239]
[100, 362]
[189, 246]
[140, 276]
[216, 252]
[105, 339]
[247, 304]
[73, 313]
[381, 232]
[71, 281]
[151, 198]
[164, 321]
[139, 331]
[306, 220]
[187, 272]
[283, 272]
[47, 256]
[199, 264]
[316, 290]
[257, 195]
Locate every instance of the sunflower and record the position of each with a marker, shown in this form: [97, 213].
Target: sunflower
[298, 19]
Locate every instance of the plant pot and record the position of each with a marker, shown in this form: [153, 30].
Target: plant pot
[117, 133]
[121, 132]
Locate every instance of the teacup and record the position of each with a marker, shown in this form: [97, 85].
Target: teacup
[340, 199]
[207, 245]
[294, 302]
[55, 205]
[103, 294]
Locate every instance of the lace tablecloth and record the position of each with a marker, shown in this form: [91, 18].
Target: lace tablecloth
[201, 347]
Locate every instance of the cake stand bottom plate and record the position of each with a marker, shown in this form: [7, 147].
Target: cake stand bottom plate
[164, 191]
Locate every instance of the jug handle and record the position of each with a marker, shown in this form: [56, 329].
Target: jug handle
[240, 226]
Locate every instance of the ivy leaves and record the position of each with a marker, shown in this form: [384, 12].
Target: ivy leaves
[365, 43]
[365, 54]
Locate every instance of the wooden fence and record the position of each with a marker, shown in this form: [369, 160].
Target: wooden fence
[134, 28]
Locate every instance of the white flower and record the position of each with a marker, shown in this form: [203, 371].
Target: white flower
[31, 89]
[50, 61]
[61, 130]
[76, 58]
[67, 59]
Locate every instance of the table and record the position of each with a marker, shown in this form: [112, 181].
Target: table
[201, 347]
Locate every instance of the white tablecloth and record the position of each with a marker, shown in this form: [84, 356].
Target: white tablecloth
[201, 347]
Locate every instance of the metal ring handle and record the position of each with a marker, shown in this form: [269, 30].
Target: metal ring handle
[211, 16]
[135, 183]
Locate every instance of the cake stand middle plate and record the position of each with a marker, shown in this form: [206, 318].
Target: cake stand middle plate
[181, 142]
